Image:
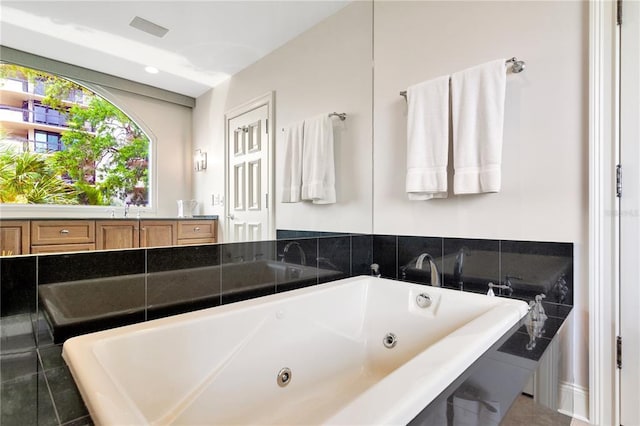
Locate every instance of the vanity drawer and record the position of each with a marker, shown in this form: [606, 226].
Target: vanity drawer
[197, 229]
[62, 232]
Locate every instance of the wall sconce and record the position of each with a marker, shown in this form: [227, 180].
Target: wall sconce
[199, 160]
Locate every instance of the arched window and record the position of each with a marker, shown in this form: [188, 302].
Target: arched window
[61, 143]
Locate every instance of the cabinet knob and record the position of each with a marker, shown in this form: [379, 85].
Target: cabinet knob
[64, 231]
[196, 229]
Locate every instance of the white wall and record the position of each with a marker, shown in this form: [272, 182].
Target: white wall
[327, 68]
[544, 170]
[170, 128]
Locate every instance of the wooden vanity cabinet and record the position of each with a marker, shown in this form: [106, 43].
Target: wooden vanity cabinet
[192, 232]
[117, 234]
[158, 233]
[57, 236]
[14, 237]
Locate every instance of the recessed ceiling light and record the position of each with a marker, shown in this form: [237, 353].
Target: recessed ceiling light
[151, 70]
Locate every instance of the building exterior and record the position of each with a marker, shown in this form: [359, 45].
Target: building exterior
[25, 122]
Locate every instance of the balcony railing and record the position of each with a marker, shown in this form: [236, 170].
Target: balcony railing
[38, 115]
[38, 87]
[42, 147]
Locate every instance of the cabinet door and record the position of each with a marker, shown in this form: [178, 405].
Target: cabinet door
[14, 237]
[158, 233]
[117, 234]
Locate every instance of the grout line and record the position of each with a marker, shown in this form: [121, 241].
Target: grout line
[46, 381]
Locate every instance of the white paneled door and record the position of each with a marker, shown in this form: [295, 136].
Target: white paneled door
[630, 214]
[248, 172]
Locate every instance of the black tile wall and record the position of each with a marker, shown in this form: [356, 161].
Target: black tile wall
[410, 249]
[182, 279]
[385, 254]
[334, 254]
[480, 264]
[303, 252]
[361, 254]
[84, 266]
[240, 282]
[18, 291]
[32, 369]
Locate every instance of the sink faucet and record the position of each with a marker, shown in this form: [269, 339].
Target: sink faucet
[303, 257]
[458, 267]
[126, 209]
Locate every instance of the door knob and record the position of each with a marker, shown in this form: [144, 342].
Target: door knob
[230, 216]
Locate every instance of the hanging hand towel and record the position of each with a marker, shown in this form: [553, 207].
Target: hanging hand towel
[428, 139]
[292, 177]
[318, 168]
[477, 103]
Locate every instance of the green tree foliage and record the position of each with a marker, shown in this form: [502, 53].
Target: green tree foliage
[26, 177]
[105, 154]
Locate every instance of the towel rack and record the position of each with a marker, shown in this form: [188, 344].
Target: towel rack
[516, 67]
[341, 115]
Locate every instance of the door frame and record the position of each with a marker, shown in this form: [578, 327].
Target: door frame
[603, 206]
[267, 99]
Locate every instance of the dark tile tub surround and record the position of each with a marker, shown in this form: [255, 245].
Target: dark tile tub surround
[36, 385]
[528, 267]
[182, 279]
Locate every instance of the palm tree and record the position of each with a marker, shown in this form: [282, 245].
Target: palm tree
[27, 178]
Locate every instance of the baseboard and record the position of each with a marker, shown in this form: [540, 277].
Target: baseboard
[574, 401]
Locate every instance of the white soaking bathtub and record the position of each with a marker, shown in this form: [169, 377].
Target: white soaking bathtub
[222, 365]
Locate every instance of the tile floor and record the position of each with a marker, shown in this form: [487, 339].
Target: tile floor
[526, 412]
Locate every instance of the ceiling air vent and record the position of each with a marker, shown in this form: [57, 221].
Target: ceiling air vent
[148, 27]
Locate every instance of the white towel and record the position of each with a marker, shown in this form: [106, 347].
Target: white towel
[477, 104]
[428, 139]
[318, 168]
[292, 169]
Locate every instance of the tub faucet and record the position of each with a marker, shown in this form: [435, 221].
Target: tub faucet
[375, 270]
[458, 266]
[303, 257]
[435, 275]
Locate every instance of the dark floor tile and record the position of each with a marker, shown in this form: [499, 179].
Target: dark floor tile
[385, 251]
[51, 357]
[16, 334]
[82, 421]
[26, 401]
[18, 364]
[43, 331]
[66, 396]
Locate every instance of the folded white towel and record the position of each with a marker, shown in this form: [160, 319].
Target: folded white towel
[477, 104]
[318, 167]
[292, 166]
[428, 139]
